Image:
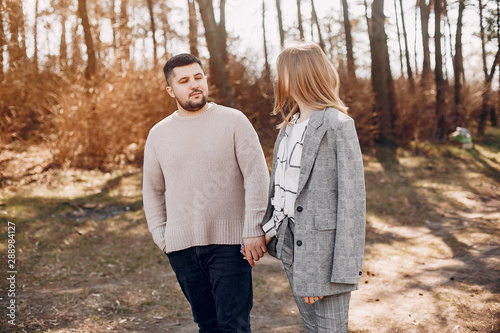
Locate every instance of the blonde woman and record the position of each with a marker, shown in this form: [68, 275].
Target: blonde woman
[315, 220]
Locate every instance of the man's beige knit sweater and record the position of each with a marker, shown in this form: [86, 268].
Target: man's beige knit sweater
[205, 180]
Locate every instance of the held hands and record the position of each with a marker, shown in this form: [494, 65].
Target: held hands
[253, 248]
[268, 238]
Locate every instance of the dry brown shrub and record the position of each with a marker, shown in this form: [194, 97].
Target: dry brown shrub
[25, 102]
[417, 121]
[359, 97]
[106, 123]
[253, 93]
[416, 116]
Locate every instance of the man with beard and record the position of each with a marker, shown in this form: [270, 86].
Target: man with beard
[205, 187]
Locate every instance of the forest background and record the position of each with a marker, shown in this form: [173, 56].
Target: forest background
[81, 84]
[79, 75]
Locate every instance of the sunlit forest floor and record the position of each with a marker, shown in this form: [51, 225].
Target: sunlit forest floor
[86, 261]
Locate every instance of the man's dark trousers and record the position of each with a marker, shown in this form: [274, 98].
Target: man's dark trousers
[217, 282]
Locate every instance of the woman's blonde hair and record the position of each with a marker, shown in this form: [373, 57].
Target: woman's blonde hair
[305, 73]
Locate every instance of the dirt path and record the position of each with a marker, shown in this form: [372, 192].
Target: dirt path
[87, 262]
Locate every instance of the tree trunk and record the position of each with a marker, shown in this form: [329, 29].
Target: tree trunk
[114, 26]
[452, 55]
[382, 82]
[458, 64]
[35, 37]
[165, 26]
[2, 41]
[299, 15]
[153, 30]
[267, 68]
[76, 53]
[63, 46]
[426, 65]
[407, 51]
[280, 24]
[222, 31]
[217, 71]
[488, 78]
[193, 29]
[315, 21]
[351, 66]
[399, 39]
[124, 30]
[16, 25]
[493, 112]
[90, 70]
[63, 8]
[442, 115]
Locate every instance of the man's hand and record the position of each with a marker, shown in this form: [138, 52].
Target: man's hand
[312, 299]
[253, 249]
[268, 238]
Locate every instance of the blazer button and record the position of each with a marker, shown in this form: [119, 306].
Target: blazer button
[299, 243]
[299, 209]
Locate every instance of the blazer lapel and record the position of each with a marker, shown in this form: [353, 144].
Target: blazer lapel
[314, 135]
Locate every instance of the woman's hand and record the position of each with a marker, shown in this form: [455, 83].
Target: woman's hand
[312, 299]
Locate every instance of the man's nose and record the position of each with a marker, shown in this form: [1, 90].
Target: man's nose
[194, 84]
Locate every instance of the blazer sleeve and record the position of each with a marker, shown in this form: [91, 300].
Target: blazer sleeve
[351, 209]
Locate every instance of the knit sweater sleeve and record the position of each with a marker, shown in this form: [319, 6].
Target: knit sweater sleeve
[252, 164]
[153, 190]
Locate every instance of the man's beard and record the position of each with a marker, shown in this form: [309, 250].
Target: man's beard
[193, 106]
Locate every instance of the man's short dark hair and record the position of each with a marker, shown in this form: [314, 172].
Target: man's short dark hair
[179, 60]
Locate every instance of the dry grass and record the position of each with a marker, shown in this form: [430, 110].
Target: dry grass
[87, 263]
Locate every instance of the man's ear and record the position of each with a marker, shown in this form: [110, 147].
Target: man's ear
[170, 91]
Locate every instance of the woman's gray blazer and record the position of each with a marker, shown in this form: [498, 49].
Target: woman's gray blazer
[329, 235]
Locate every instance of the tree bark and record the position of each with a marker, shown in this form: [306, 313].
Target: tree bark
[458, 64]
[493, 110]
[165, 26]
[124, 39]
[407, 51]
[267, 68]
[484, 113]
[488, 78]
[90, 70]
[382, 82]
[76, 53]
[63, 46]
[222, 31]
[35, 37]
[441, 112]
[280, 24]
[415, 27]
[399, 39]
[16, 27]
[299, 16]
[114, 26]
[2, 41]
[217, 71]
[193, 29]
[426, 65]
[351, 66]
[153, 30]
[315, 21]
